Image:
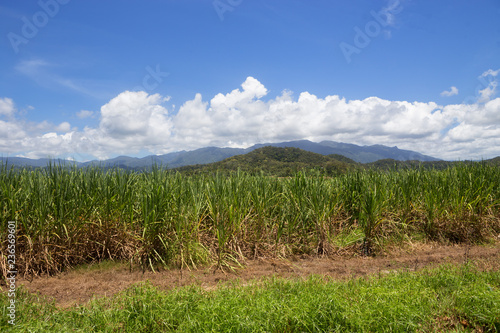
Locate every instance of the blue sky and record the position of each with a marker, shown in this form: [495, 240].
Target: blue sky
[96, 79]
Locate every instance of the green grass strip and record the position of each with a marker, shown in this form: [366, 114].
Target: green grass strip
[446, 298]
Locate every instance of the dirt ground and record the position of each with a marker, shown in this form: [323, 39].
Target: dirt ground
[80, 285]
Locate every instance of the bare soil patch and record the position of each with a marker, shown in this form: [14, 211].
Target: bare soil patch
[78, 286]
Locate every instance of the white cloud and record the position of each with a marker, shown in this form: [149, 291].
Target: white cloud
[85, 114]
[7, 107]
[63, 127]
[453, 91]
[136, 121]
[488, 92]
[252, 89]
[490, 72]
[490, 86]
[130, 122]
[192, 120]
[10, 130]
[134, 114]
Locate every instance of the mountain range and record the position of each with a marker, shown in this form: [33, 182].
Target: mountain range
[360, 154]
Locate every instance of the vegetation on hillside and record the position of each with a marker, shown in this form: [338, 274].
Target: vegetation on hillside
[284, 162]
[281, 162]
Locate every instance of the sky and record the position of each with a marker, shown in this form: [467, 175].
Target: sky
[95, 79]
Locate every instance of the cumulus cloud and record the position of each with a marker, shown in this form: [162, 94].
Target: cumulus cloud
[134, 122]
[130, 122]
[453, 91]
[31, 139]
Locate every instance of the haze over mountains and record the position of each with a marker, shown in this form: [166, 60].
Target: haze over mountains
[361, 154]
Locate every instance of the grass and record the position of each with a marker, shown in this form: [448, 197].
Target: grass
[447, 298]
[68, 216]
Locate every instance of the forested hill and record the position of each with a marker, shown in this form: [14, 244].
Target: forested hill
[282, 162]
[278, 162]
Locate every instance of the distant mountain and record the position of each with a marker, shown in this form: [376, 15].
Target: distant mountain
[360, 154]
[200, 156]
[35, 163]
[367, 154]
[171, 160]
